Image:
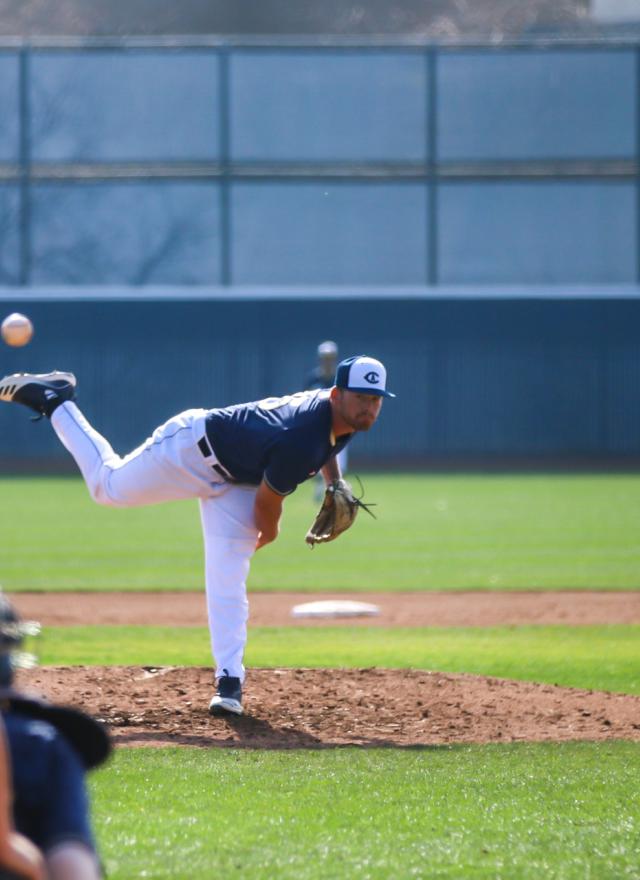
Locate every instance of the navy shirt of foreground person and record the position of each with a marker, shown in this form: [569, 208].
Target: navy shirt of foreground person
[50, 798]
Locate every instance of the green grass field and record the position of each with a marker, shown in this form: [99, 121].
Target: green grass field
[526, 812]
[509, 812]
[596, 657]
[432, 533]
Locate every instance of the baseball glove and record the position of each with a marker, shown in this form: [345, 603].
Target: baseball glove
[337, 514]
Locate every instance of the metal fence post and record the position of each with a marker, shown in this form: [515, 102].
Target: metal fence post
[637, 157]
[225, 207]
[432, 168]
[25, 167]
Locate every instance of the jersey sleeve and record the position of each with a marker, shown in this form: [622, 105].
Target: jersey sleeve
[288, 465]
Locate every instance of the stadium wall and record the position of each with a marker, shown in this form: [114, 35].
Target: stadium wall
[488, 379]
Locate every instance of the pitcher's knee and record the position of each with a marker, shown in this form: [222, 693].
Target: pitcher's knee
[98, 489]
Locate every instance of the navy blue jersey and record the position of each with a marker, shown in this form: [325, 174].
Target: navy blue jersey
[317, 378]
[50, 797]
[283, 440]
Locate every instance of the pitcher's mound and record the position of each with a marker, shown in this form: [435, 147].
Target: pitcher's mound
[311, 708]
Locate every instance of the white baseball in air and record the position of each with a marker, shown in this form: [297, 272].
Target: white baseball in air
[17, 330]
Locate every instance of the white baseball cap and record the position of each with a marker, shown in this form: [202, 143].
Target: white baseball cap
[327, 349]
[364, 374]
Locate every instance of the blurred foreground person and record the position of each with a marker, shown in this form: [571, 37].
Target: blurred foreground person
[19, 858]
[51, 748]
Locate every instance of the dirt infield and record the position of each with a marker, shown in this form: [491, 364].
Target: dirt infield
[396, 609]
[306, 708]
[314, 708]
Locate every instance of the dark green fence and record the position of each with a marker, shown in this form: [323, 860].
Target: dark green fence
[490, 380]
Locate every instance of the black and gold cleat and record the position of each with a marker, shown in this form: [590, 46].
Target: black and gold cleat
[41, 392]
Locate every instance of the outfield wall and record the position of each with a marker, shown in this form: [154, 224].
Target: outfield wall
[198, 162]
[481, 378]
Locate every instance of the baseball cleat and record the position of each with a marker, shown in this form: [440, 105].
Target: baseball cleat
[227, 699]
[41, 392]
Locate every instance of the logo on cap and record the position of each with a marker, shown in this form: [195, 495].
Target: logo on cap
[363, 374]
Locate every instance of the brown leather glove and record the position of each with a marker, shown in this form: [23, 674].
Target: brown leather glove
[337, 514]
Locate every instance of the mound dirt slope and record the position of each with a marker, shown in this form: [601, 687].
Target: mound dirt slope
[314, 708]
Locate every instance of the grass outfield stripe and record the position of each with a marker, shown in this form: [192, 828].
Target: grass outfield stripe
[432, 533]
[597, 657]
[517, 812]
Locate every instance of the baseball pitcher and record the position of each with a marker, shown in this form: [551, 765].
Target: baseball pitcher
[240, 462]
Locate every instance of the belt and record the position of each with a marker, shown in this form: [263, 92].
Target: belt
[207, 451]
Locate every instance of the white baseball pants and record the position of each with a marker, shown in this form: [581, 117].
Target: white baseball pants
[167, 467]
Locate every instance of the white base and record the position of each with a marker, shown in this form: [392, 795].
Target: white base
[335, 608]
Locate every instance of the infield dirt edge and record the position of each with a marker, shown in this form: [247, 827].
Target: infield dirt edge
[324, 708]
[469, 608]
